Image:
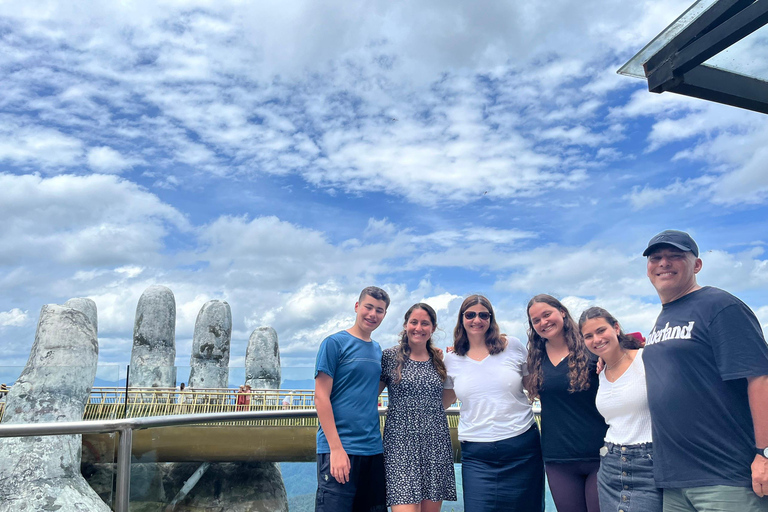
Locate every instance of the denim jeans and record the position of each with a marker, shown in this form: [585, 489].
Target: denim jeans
[625, 479]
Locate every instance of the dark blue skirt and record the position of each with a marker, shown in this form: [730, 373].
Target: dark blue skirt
[506, 475]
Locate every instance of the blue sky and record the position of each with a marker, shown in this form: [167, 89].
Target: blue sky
[282, 156]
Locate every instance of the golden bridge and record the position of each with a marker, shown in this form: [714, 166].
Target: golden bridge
[289, 439]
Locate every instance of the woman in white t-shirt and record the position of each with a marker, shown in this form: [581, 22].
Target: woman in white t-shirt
[502, 468]
[625, 479]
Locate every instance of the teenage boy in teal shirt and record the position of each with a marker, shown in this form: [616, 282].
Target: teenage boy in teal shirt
[350, 461]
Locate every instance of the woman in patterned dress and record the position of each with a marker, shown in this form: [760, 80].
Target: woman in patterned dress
[417, 445]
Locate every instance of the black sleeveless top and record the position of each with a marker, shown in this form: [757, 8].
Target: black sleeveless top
[571, 428]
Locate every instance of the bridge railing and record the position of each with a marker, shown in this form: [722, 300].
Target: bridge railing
[126, 426]
[113, 403]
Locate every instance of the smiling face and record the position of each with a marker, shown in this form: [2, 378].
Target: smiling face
[546, 320]
[602, 338]
[419, 328]
[370, 312]
[476, 326]
[672, 272]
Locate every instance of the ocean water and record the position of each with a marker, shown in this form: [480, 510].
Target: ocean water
[301, 482]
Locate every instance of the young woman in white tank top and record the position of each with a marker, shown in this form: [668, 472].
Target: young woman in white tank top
[625, 479]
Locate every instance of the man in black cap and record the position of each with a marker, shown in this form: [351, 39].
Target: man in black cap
[707, 373]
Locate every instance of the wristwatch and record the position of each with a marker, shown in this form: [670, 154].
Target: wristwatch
[762, 451]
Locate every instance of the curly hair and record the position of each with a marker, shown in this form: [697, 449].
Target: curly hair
[625, 340]
[404, 349]
[578, 355]
[493, 339]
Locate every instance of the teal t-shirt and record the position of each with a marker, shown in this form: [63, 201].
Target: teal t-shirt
[355, 366]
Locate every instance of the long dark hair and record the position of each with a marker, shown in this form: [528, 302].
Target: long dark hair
[578, 355]
[625, 340]
[493, 339]
[404, 349]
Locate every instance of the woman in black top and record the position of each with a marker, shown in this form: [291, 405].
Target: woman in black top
[562, 376]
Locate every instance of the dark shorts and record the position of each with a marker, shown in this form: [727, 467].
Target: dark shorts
[364, 492]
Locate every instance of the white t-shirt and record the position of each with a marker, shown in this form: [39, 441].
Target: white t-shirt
[493, 405]
[624, 405]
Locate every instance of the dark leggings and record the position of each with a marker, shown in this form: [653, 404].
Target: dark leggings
[574, 485]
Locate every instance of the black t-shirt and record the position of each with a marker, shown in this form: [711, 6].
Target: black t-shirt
[697, 358]
[571, 428]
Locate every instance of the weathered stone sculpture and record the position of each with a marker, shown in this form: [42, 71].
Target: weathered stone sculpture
[210, 346]
[87, 307]
[153, 357]
[43, 473]
[233, 487]
[262, 360]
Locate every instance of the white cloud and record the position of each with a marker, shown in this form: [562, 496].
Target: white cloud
[486, 91]
[106, 159]
[35, 145]
[91, 220]
[686, 193]
[13, 318]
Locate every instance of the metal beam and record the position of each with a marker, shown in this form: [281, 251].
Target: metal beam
[665, 73]
[724, 87]
[721, 37]
[712, 17]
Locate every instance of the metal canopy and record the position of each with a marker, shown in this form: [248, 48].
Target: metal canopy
[717, 50]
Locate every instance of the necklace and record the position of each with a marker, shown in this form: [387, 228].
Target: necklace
[616, 363]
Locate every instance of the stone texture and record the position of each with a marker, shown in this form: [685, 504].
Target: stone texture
[224, 487]
[210, 346]
[153, 357]
[87, 307]
[262, 360]
[43, 473]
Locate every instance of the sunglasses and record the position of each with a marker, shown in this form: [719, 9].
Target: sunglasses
[470, 315]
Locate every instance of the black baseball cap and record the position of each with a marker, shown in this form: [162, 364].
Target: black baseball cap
[679, 239]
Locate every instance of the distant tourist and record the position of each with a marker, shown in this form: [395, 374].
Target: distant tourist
[243, 398]
[625, 479]
[288, 401]
[502, 468]
[563, 377]
[180, 393]
[350, 464]
[418, 458]
[706, 365]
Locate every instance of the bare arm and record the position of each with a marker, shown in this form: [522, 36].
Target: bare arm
[449, 397]
[339, 460]
[757, 389]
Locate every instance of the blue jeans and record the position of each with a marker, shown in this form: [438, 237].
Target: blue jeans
[625, 479]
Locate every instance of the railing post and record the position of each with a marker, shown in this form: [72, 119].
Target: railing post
[123, 491]
[127, 378]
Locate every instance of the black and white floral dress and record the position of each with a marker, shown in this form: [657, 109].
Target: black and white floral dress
[417, 445]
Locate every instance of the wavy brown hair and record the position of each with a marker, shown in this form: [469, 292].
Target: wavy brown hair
[404, 349]
[578, 355]
[493, 339]
[625, 340]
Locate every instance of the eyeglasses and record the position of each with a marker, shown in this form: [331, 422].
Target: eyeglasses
[470, 315]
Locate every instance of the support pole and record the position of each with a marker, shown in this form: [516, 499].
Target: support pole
[123, 491]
